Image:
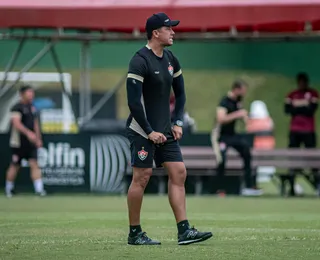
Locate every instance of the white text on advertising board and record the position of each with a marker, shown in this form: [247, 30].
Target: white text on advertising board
[61, 164]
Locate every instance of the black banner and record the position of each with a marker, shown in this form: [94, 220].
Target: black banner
[64, 161]
[75, 163]
[85, 162]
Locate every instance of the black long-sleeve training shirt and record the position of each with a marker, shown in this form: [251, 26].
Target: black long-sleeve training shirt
[149, 83]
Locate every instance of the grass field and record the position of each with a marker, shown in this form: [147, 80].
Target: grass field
[95, 227]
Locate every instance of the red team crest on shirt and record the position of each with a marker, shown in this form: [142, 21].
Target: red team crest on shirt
[142, 154]
[170, 69]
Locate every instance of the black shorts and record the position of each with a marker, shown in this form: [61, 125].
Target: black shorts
[23, 153]
[144, 151]
[297, 139]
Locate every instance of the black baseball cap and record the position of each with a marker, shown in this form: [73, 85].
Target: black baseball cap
[158, 20]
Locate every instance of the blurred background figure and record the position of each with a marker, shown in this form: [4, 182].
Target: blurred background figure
[189, 123]
[301, 105]
[25, 138]
[224, 136]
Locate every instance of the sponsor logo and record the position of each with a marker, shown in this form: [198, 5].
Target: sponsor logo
[192, 234]
[109, 162]
[142, 154]
[62, 164]
[61, 155]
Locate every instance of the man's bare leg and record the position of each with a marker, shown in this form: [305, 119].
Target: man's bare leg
[139, 182]
[36, 177]
[176, 190]
[10, 178]
[177, 198]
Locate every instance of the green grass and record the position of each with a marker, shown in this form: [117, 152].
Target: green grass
[95, 227]
[204, 90]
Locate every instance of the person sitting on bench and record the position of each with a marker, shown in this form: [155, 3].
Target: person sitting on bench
[223, 136]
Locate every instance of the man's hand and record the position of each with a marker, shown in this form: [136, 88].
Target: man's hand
[32, 137]
[177, 132]
[242, 113]
[39, 143]
[157, 138]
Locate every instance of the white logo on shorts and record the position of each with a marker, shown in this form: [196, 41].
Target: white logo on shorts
[222, 146]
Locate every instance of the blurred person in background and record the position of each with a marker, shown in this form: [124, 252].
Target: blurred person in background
[224, 136]
[153, 72]
[25, 138]
[301, 105]
[189, 124]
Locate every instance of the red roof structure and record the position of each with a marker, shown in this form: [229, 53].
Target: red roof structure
[195, 15]
[124, 19]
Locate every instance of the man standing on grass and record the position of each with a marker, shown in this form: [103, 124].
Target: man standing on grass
[301, 105]
[24, 140]
[153, 70]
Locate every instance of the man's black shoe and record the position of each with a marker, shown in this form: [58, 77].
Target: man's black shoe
[142, 239]
[193, 236]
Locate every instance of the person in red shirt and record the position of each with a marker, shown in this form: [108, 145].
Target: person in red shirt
[301, 104]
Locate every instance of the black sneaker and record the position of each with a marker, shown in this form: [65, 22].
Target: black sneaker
[193, 236]
[142, 239]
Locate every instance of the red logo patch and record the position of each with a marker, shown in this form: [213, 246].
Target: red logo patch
[142, 154]
[170, 69]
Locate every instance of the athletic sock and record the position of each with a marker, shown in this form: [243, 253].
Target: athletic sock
[9, 186]
[38, 185]
[135, 230]
[183, 226]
